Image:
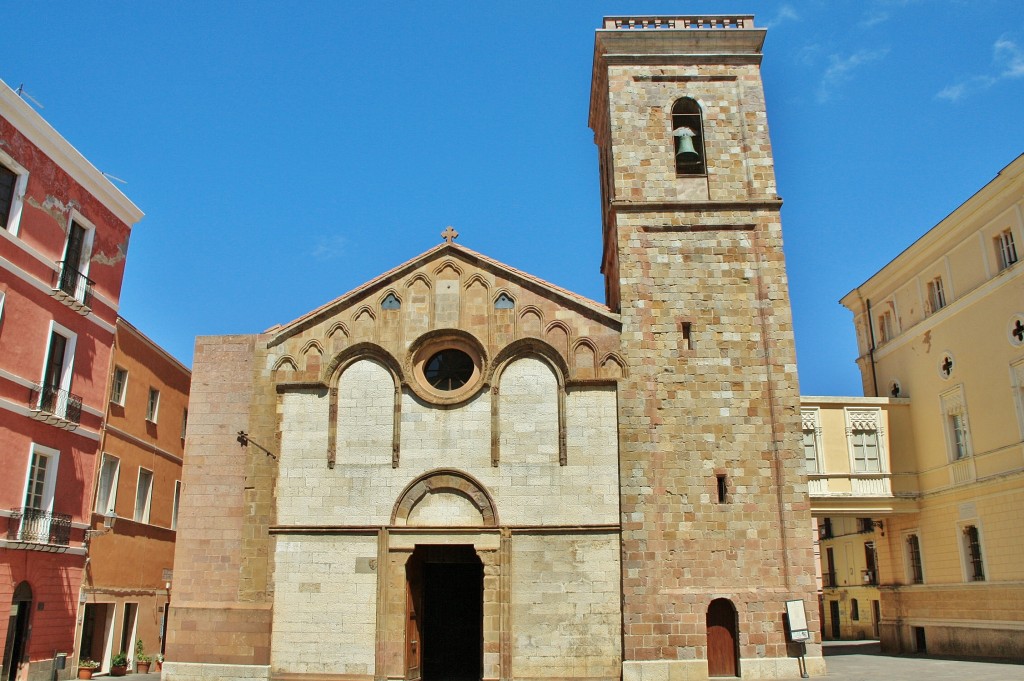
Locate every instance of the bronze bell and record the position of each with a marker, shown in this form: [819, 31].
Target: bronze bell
[685, 151]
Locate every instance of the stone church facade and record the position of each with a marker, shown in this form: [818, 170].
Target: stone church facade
[460, 471]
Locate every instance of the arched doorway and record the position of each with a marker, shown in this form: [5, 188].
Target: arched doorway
[444, 614]
[722, 638]
[17, 631]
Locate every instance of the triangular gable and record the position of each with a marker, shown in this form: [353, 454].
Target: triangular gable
[566, 297]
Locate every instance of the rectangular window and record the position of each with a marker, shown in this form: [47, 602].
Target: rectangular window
[106, 491]
[914, 559]
[865, 451]
[886, 329]
[8, 184]
[74, 268]
[954, 413]
[810, 451]
[13, 182]
[972, 553]
[1018, 391]
[825, 529]
[153, 405]
[119, 386]
[958, 436]
[55, 386]
[143, 495]
[184, 422]
[40, 488]
[936, 294]
[177, 501]
[723, 488]
[1006, 250]
[854, 609]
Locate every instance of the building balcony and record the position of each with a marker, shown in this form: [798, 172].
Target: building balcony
[56, 407]
[865, 494]
[828, 580]
[37, 530]
[73, 288]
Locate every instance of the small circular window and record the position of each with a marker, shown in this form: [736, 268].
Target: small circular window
[449, 369]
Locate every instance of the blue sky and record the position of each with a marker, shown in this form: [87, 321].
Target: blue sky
[286, 153]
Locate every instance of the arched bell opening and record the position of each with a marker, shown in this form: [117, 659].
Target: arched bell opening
[688, 137]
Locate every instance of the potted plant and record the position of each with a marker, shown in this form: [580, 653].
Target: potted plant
[119, 664]
[86, 667]
[159, 661]
[142, 660]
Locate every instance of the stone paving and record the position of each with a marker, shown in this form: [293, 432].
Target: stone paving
[863, 661]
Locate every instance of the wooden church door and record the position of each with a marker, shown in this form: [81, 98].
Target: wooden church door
[721, 622]
[414, 618]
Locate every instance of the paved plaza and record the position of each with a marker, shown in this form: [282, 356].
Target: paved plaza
[863, 661]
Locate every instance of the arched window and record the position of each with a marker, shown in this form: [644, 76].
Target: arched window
[688, 137]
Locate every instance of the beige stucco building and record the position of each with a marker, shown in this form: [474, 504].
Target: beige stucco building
[940, 331]
[460, 471]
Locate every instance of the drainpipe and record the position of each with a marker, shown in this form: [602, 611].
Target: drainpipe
[871, 346]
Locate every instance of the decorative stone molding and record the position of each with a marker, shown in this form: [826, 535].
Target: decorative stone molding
[441, 480]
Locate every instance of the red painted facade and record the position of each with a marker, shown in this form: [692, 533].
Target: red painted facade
[63, 239]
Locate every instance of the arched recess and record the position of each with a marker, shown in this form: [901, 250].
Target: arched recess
[612, 366]
[520, 349]
[284, 366]
[419, 307]
[364, 323]
[331, 375]
[531, 321]
[337, 335]
[584, 354]
[558, 334]
[445, 481]
[313, 354]
[723, 638]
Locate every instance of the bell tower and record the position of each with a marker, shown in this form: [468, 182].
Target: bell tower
[716, 524]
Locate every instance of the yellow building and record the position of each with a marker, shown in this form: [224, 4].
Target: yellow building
[940, 330]
[858, 477]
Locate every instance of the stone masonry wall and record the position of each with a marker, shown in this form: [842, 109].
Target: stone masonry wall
[325, 608]
[565, 606]
[529, 413]
[359, 492]
[208, 620]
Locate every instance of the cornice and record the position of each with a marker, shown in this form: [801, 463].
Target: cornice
[40, 133]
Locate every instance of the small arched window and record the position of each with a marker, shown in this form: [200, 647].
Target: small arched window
[688, 137]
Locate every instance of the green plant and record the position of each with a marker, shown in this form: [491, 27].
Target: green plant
[119, 660]
[140, 653]
[86, 663]
[160, 658]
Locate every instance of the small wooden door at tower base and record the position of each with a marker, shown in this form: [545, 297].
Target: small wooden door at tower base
[721, 623]
[413, 621]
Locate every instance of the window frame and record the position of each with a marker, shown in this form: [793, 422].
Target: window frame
[176, 505]
[153, 405]
[118, 396]
[67, 362]
[111, 501]
[914, 569]
[49, 491]
[85, 258]
[143, 515]
[973, 562]
[886, 327]
[862, 420]
[810, 422]
[936, 295]
[184, 422]
[956, 425]
[1006, 249]
[1017, 385]
[13, 225]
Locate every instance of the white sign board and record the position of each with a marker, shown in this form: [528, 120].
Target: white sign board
[797, 617]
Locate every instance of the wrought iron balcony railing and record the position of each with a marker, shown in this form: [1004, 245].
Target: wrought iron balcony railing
[55, 406]
[828, 580]
[73, 287]
[34, 526]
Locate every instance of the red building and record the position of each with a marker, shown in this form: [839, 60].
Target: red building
[64, 232]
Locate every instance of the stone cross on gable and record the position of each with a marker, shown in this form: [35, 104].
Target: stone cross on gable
[449, 234]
